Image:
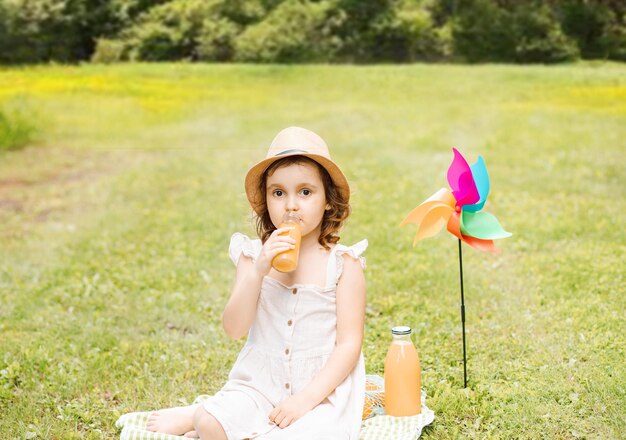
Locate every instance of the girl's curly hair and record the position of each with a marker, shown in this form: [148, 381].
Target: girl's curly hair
[333, 218]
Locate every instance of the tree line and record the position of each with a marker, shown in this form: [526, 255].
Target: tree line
[294, 31]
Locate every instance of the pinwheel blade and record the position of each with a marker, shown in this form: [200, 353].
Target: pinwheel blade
[481, 179]
[461, 181]
[443, 196]
[454, 227]
[433, 222]
[482, 225]
[481, 245]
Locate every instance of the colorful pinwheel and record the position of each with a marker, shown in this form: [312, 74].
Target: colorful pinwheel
[460, 209]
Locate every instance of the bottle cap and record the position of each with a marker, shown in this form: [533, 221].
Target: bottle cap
[401, 330]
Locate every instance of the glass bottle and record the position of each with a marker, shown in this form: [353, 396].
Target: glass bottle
[287, 261]
[402, 375]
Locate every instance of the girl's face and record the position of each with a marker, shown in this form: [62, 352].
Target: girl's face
[297, 187]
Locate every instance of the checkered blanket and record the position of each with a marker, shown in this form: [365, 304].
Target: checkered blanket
[380, 427]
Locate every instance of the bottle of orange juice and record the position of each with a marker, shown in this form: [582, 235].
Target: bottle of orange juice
[288, 261]
[402, 375]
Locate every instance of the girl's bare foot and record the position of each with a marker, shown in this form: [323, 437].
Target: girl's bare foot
[192, 434]
[176, 421]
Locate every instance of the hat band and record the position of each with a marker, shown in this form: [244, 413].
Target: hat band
[290, 151]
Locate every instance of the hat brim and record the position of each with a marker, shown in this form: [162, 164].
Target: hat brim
[256, 172]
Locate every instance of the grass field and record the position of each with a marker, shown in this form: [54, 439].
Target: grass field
[114, 230]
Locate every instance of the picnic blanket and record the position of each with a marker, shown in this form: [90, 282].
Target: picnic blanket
[378, 427]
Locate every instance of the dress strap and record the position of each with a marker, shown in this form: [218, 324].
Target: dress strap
[335, 260]
[241, 244]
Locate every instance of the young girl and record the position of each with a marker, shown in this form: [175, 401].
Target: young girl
[301, 373]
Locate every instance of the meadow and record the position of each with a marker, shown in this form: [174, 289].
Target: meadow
[115, 224]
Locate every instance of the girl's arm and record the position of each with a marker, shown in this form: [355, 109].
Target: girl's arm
[350, 302]
[240, 309]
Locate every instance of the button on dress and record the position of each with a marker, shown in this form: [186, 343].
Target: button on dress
[291, 338]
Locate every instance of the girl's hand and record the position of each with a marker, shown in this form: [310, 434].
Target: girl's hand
[274, 245]
[290, 410]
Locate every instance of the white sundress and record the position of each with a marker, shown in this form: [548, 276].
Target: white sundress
[291, 339]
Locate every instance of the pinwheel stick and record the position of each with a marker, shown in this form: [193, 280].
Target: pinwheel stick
[463, 316]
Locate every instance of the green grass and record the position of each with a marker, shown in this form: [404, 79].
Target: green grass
[17, 128]
[115, 228]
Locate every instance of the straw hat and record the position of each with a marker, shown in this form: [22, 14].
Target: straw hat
[294, 141]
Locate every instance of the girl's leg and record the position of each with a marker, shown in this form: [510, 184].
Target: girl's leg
[175, 421]
[206, 426]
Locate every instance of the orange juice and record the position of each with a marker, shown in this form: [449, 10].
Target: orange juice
[402, 376]
[288, 261]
